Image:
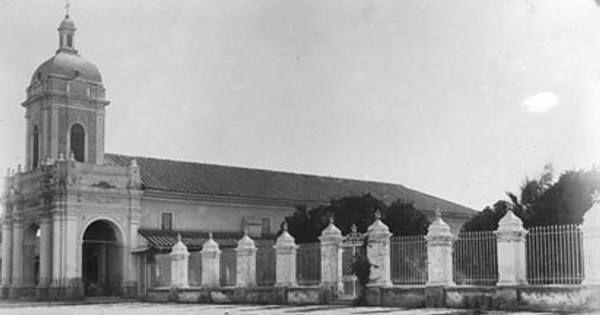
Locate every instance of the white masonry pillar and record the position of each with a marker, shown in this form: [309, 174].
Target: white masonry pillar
[6, 253]
[285, 251]
[439, 253]
[246, 262]
[330, 238]
[378, 253]
[591, 243]
[179, 264]
[510, 237]
[211, 262]
[17, 256]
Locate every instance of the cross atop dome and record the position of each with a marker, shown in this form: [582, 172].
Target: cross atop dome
[67, 6]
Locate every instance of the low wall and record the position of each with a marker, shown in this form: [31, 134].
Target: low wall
[523, 298]
[249, 295]
[530, 298]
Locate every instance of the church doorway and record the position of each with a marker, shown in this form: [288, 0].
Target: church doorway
[102, 260]
[31, 256]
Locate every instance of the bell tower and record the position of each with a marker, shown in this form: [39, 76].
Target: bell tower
[65, 106]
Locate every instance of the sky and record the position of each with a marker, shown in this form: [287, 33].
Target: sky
[459, 99]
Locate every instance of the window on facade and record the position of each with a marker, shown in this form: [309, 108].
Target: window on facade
[78, 142]
[266, 226]
[167, 221]
[36, 147]
[70, 40]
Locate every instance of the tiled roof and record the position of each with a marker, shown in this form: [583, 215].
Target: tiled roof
[219, 180]
[162, 239]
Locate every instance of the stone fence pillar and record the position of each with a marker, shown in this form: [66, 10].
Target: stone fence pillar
[439, 253]
[330, 238]
[285, 251]
[591, 243]
[179, 264]
[510, 237]
[211, 262]
[246, 262]
[378, 253]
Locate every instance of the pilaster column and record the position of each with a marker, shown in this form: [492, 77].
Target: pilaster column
[246, 262]
[45, 252]
[211, 262]
[378, 253]
[54, 132]
[17, 257]
[510, 237]
[591, 244]
[6, 253]
[285, 263]
[179, 264]
[439, 253]
[57, 250]
[330, 238]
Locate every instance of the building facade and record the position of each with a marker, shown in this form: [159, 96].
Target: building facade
[81, 222]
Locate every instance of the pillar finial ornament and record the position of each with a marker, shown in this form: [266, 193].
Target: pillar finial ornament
[285, 225]
[377, 214]
[438, 212]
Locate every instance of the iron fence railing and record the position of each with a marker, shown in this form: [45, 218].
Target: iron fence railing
[265, 266]
[475, 258]
[555, 255]
[228, 267]
[308, 264]
[408, 260]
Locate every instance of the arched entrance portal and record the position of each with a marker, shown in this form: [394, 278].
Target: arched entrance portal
[102, 260]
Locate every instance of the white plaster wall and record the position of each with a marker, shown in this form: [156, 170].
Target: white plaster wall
[208, 216]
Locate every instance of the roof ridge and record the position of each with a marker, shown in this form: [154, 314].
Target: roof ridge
[258, 169]
[165, 174]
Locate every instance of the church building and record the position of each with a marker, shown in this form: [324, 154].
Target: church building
[78, 221]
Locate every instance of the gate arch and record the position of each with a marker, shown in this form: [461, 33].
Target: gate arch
[102, 258]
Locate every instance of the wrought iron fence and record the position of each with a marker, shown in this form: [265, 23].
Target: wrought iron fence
[160, 271]
[555, 255]
[228, 267]
[475, 258]
[195, 269]
[265, 266]
[308, 264]
[408, 260]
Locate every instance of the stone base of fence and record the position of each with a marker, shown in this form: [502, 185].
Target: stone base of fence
[407, 297]
[525, 298]
[512, 298]
[249, 295]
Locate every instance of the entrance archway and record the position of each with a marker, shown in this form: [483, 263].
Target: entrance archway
[31, 256]
[102, 260]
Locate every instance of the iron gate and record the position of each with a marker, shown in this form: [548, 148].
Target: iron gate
[351, 245]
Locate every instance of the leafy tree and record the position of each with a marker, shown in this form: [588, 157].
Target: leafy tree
[401, 217]
[543, 202]
[404, 219]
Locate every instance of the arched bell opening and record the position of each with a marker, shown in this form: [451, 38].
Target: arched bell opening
[102, 259]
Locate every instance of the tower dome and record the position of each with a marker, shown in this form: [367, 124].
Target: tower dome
[67, 63]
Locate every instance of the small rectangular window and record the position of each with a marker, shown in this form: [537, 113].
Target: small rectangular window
[266, 226]
[167, 221]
